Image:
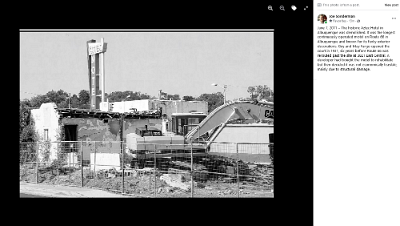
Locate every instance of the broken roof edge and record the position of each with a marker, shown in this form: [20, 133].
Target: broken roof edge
[65, 112]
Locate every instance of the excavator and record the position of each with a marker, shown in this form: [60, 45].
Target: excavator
[231, 113]
[204, 129]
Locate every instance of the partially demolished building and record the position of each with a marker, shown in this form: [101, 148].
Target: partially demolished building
[54, 124]
[110, 127]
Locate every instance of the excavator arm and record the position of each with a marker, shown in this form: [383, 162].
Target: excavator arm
[246, 112]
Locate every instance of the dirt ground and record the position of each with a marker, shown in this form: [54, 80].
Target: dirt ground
[142, 185]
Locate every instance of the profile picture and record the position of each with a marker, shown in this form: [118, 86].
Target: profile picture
[322, 18]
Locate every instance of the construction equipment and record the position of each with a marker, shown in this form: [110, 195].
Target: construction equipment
[147, 144]
[204, 127]
[182, 123]
[236, 112]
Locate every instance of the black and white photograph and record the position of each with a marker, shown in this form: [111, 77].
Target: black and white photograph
[147, 113]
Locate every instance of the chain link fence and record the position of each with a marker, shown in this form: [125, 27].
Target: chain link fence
[154, 170]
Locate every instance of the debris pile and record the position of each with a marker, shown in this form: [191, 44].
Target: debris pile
[212, 176]
[263, 173]
[175, 180]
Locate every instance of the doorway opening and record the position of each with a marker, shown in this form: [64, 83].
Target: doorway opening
[70, 132]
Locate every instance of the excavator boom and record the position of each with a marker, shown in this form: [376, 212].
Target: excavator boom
[244, 111]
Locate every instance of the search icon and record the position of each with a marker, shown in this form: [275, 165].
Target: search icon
[270, 8]
[282, 8]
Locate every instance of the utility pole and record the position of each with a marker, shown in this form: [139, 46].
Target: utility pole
[122, 131]
[225, 86]
[224, 94]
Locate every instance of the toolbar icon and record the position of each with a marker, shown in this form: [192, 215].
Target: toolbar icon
[294, 7]
[282, 8]
[270, 8]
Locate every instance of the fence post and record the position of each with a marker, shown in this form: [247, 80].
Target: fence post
[72, 155]
[155, 168]
[59, 156]
[81, 164]
[191, 169]
[123, 169]
[145, 165]
[237, 170]
[94, 161]
[37, 161]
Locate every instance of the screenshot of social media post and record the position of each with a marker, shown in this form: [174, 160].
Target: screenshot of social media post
[355, 39]
[356, 111]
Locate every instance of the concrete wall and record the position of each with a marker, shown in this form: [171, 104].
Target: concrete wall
[245, 133]
[132, 124]
[93, 129]
[250, 135]
[46, 117]
[105, 161]
[140, 105]
[104, 106]
[108, 133]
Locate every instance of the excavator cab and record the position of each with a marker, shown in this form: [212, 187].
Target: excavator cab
[148, 131]
[182, 123]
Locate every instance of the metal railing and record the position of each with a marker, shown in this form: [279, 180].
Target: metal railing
[178, 170]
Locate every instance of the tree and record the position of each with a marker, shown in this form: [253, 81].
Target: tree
[60, 98]
[214, 100]
[144, 96]
[264, 92]
[261, 92]
[188, 98]
[114, 96]
[118, 96]
[38, 100]
[84, 99]
[27, 131]
[74, 101]
[173, 97]
[269, 94]
[251, 90]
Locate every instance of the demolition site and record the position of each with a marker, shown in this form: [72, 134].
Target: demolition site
[152, 147]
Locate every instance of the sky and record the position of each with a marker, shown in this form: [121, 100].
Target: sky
[184, 63]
